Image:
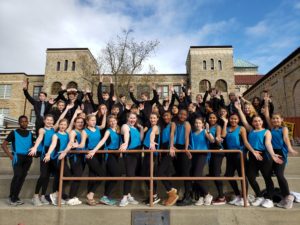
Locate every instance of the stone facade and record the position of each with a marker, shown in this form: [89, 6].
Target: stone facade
[283, 83]
[77, 67]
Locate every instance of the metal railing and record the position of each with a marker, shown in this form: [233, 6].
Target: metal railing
[151, 177]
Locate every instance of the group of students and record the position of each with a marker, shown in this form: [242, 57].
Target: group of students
[77, 123]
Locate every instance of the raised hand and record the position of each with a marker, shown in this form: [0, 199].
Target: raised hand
[131, 89]
[153, 86]
[237, 105]
[101, 78]
[63, 87]
[172, 88]
[110, 80]
[25, 84]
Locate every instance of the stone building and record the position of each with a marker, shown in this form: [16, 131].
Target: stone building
[206, 66]
[283, 84]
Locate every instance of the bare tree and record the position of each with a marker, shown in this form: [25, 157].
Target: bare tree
[124, 56]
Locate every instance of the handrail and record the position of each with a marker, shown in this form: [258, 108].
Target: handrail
[151, 177]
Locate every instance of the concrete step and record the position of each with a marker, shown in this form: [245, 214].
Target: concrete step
[139, 188]
[112, 215]
[292, 168]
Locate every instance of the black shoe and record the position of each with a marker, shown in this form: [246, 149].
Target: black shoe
[156, 200]
[185, 201]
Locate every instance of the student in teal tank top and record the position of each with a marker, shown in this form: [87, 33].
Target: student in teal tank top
[21, 141]
[90, 137]
[132, 135]
[282, 146]
[111, 140]
[261, 159]
[151, 142]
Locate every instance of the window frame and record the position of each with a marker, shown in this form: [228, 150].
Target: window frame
[5, 88]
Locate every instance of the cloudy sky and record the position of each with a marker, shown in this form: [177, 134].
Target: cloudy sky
[261, 31]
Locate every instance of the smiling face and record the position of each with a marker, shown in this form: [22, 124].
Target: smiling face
[112, 122]
[167, 117]
[257, 123]
[212, 119]
[199, 124]
[276, 120]
[49, 121]
[63, 125]
[182, 116]
[132, 119]
[234, 120]
[175, 110]
[79, 123]
[91, 121]
[153, 119]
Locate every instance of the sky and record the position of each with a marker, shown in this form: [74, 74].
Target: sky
[263, 32]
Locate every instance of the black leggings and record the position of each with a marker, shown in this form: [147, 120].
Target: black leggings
[20, 169]
[96, 169]
[265, 167]
[113, 169]
[165, 169]
[233, 164]
[146, 170]
[46, 168]
[67, 173]
[77, 165]
[132, 162]
[279, 172]
[215, 165]
[198, 162]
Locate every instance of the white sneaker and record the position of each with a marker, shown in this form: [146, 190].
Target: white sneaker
[208, 199]
[240, 202]
[124, 201]
[281, 203]
[44, 201]
[36, 201]
[258, 201]
[131, 200]
[200, 201]
[53, 198]
[74, 201]
[267, 203]
[251, 198]
[234, 200]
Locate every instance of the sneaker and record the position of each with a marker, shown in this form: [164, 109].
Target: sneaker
[251, 198]
[281, 203]
[219, 201]
[208, 199]
[200, 201]
[44, 201]
[19, 202]
[289, 202]
[172, 197]
[74, 201]
[124, 201]
[234, 200]
[12, 203]
[267, 203]
[185, 201]
[131, 200]
[258, 201]
[36, 201]
[107, 201]
[156, 200]
[240, 202]
[53, 198]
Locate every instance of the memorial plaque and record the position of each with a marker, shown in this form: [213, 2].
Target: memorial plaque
[150, 217]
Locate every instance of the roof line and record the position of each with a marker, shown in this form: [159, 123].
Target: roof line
[284, 61]
[58, 49]
[212, 46]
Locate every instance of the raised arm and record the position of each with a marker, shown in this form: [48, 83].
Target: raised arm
[62, 115]
[27, 95]
[135, 101]
[155, 95]
[103, 123]
[70, 127]
[267, 112]
[112, 90]
[224, 128]
[208, 135]
[242, 116]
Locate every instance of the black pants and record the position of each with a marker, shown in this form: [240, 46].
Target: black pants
[182, 166]
[265, 167]
[20, 169]
[165, 169]
[233, 163]
[132, 162]
[146, 170]
[279, 172]
[67, 173]
[215, 165]
[39, 123]
[113, 169]
[46, 168]
[198, 162]
[77, 165]
[96, 169]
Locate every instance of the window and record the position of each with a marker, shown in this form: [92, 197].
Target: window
[204, 85]
[73, 66]
[5, 91]
[163, 91]
[72, 84]
[56, 87]
[212, 64]
[4, 111]
[58, 66]
[221, 85]
[32, 116]
[36, 91]
[66, 65]
[177, 89]
[220, 64]
[204, 65]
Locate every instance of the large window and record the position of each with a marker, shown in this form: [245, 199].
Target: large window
[5, 91]
[4, 111]
[36, 91]
[163, 91]
[32, 116]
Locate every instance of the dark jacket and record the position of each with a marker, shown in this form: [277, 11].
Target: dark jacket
[147, 104]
